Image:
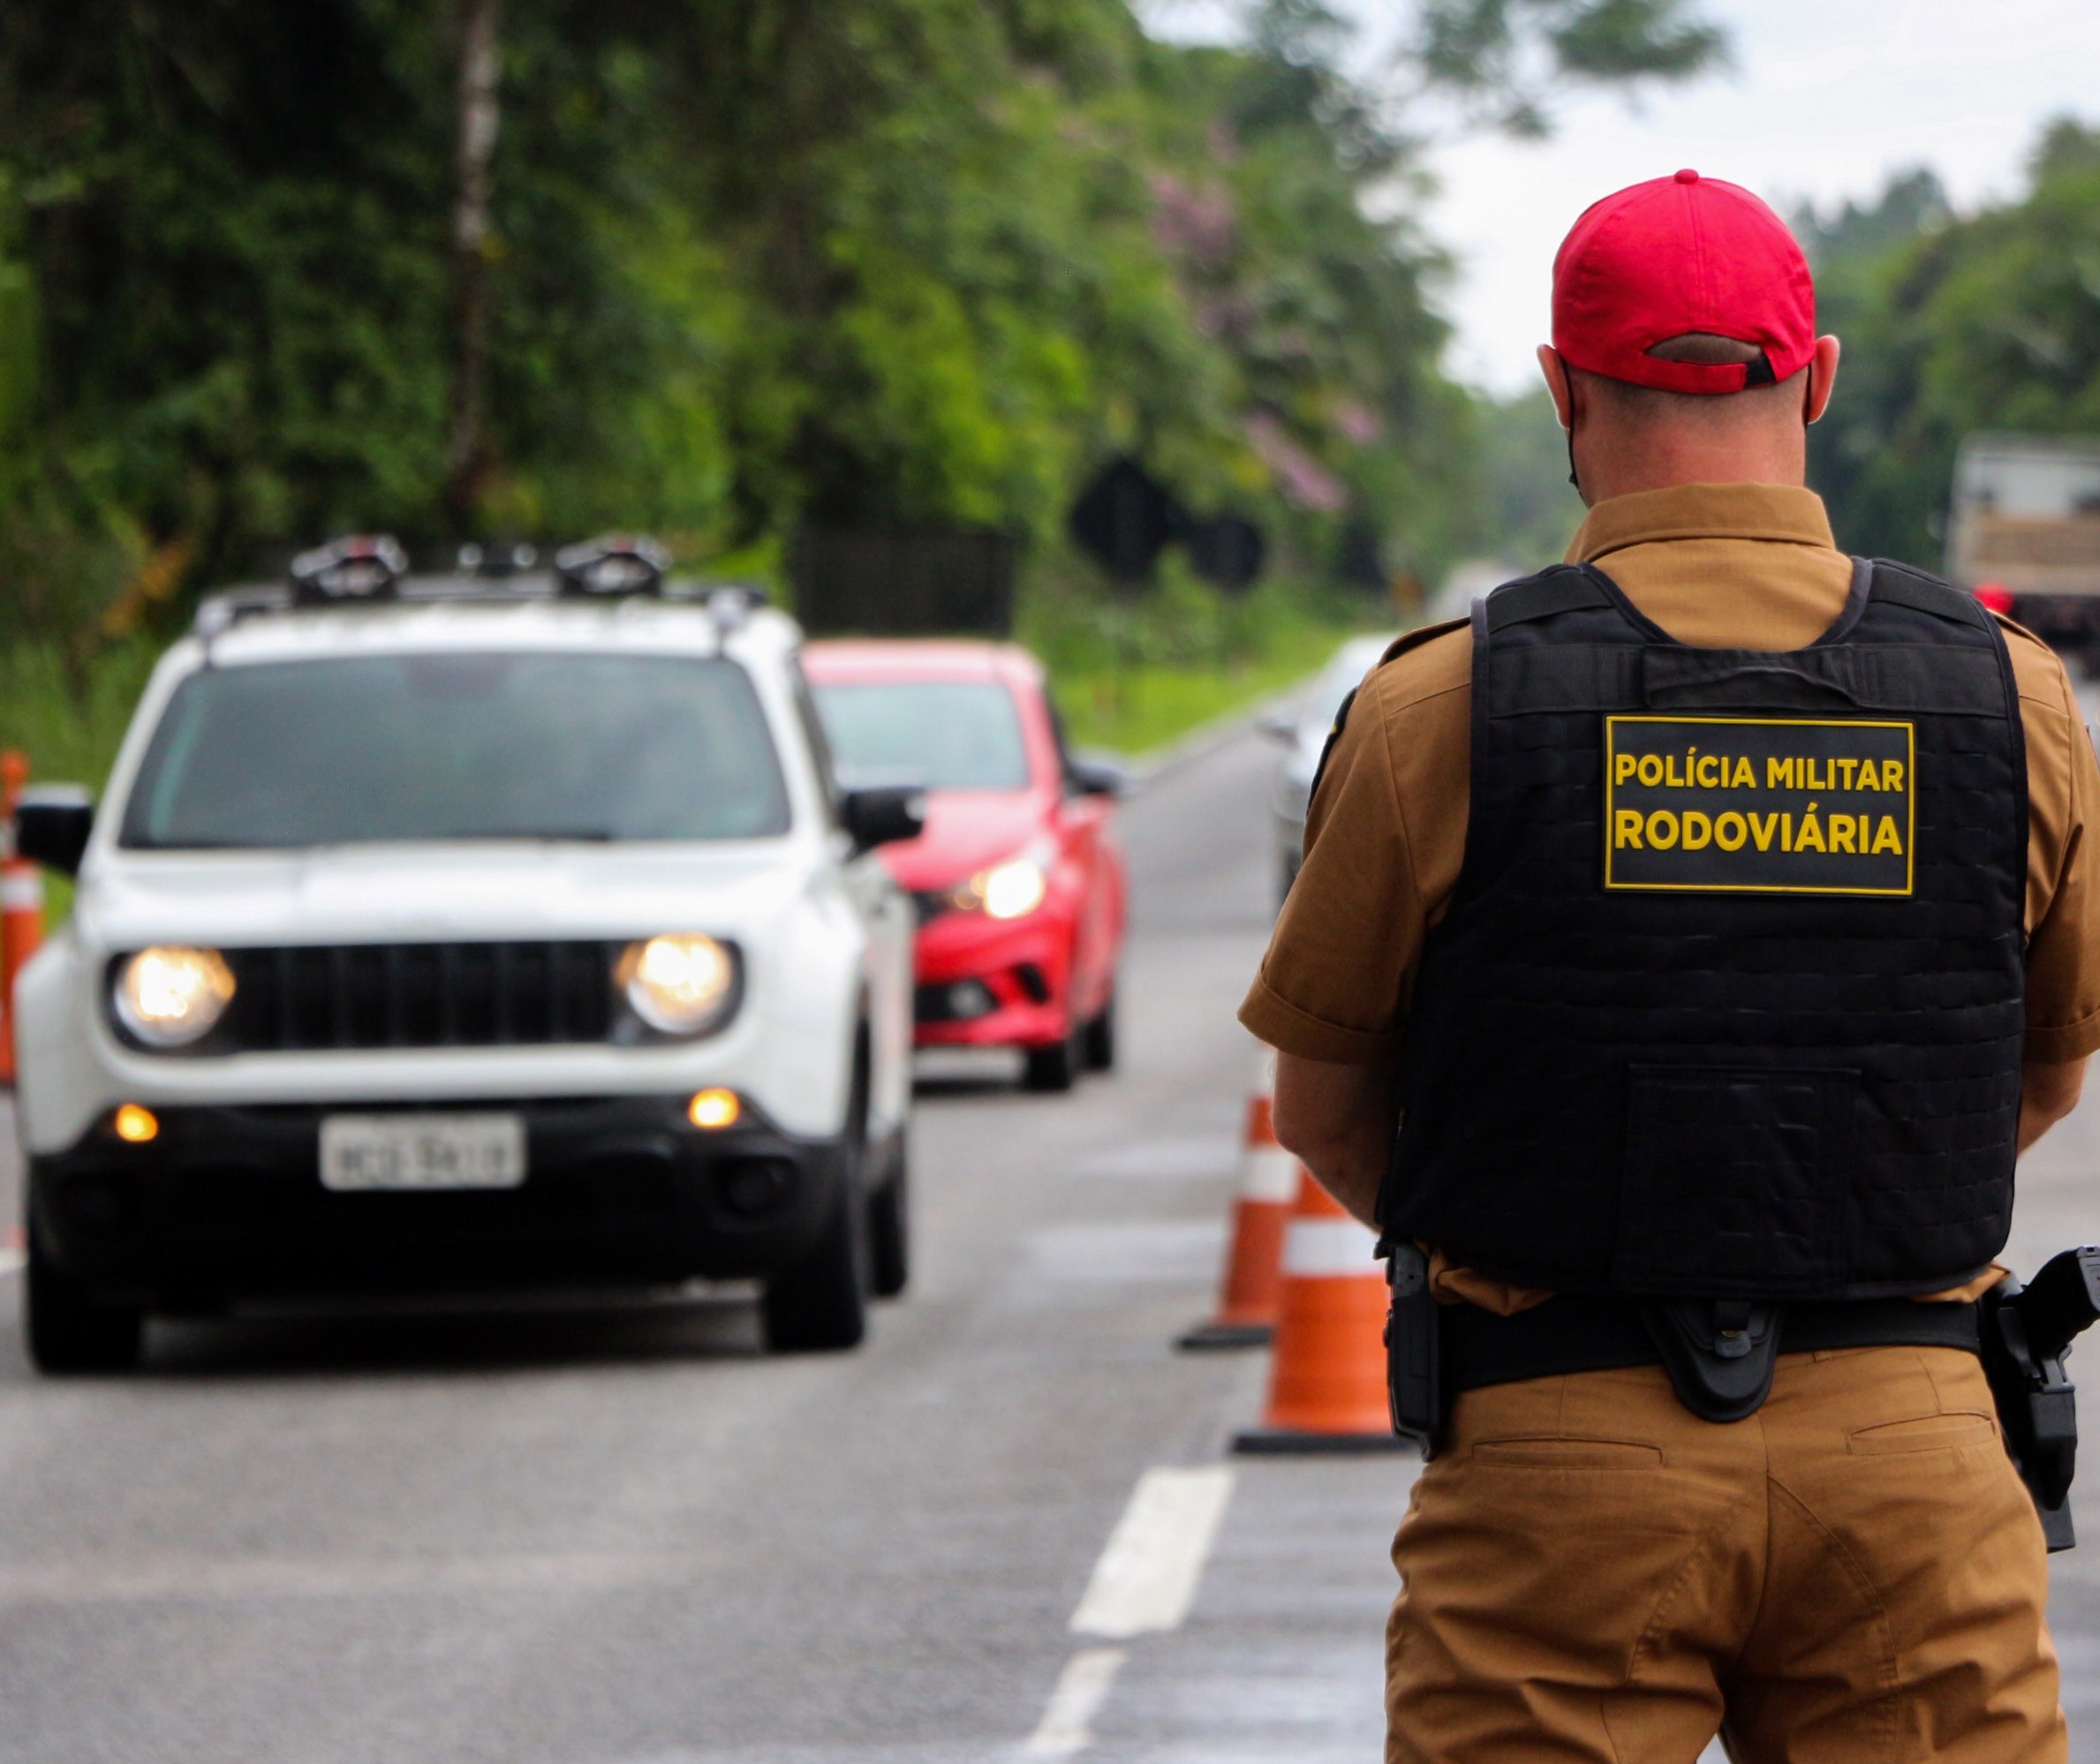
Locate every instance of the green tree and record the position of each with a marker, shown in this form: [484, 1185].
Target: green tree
[1525, 508]
[726, 266]
[1953, 326]
[1505, 59]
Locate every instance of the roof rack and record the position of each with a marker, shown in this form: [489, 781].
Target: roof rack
[503, 558]
[365, 568]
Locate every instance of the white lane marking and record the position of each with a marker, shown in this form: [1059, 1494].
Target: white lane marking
[1327, 1247]
[1144, 1582]
[1066, 1728]
[1146, 1578]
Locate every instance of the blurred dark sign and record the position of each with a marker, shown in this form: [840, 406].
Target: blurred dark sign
[1227, 550]
[903, 582]
[1357, 560]
[1124, 518]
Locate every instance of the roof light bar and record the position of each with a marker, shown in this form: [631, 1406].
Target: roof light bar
[360, 567]
[612, 564]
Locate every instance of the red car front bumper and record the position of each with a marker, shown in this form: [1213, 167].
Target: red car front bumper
[994, 983]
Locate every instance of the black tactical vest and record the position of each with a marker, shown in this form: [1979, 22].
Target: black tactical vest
[1728, 1002]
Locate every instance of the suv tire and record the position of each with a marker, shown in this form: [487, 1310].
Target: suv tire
[889, 1230]
[69, 1331]
[819, 1303]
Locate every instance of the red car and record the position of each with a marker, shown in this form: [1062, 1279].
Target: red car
[1017, 879]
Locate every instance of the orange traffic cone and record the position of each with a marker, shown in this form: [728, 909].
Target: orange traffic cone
[21, 909]
[1327, 1389]
[1253, 1279]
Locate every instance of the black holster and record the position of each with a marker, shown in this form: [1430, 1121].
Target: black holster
[1414, 1352]
[2027, 1336]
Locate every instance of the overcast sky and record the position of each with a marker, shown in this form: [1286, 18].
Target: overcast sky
[1825, 99]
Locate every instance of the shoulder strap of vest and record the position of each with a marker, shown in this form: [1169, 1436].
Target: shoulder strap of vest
[1562, 589]
[1900, 585]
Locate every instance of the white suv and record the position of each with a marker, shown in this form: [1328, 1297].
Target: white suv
[448, 932]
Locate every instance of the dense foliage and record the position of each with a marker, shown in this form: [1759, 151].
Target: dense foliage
[1951, 326]
[741, 264]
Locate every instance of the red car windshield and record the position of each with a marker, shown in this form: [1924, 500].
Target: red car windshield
[943, 735]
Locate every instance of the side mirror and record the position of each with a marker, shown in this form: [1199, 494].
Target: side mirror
[1096, 777]
[1278, 726]
[52, 822]
[883, 816]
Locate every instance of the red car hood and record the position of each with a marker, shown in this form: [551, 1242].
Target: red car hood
[966, 830]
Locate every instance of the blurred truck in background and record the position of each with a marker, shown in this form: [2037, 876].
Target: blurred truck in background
[2024, 532]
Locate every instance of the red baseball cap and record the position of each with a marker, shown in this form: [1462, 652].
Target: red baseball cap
[1678, 255]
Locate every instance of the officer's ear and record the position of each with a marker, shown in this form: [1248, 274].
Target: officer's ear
[1823, 375]
[1557, 383]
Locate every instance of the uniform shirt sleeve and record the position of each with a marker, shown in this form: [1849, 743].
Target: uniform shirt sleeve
[2063, 956]
[1332, 985]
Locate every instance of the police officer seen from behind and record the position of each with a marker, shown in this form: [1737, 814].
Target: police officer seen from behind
[1717, 914]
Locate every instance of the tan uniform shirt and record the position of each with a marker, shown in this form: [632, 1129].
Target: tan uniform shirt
[1745, 565]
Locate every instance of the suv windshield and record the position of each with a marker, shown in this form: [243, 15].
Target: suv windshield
[462, 745]
[943, 735]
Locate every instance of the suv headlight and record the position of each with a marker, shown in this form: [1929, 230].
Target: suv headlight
[170, 995]
[684, 983]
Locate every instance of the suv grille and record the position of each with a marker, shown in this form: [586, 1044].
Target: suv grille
[417, 995]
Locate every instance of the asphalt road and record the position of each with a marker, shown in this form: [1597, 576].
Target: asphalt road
[622, 1534]
[590, 1534]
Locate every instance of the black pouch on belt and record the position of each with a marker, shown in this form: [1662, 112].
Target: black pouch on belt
[1720, 1354]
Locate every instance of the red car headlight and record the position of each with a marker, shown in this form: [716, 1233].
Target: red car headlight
[1011, 890]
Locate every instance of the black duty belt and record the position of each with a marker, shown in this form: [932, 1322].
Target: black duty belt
[1568, 1334]
[1720, 1355]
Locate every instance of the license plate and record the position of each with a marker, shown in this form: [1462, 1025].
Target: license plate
[422, 1151]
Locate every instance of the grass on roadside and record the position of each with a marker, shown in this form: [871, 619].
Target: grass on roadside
[1143, 708]
[69, 720]
[1134, 674]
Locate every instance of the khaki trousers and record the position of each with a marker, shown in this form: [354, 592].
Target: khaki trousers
[1853, 1575]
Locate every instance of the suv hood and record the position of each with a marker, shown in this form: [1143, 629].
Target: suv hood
[416, 893]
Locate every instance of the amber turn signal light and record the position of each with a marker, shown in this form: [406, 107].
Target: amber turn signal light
[136, 1126]
[714, 1109]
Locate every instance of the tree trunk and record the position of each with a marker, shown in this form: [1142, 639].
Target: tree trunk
[480, 113]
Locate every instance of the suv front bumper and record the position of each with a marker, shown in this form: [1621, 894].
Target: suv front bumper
[227, 1202]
